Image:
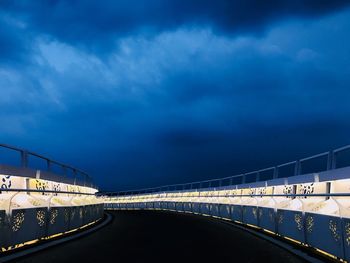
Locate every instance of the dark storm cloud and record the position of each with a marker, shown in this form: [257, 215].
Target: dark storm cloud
[13, 45]
[155, 92]
[189, 138]
[96, 24]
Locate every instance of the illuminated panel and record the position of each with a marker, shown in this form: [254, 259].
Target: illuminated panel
[41, 215]
[12, 182]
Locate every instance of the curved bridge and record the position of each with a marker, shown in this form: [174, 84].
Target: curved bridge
[307, 206]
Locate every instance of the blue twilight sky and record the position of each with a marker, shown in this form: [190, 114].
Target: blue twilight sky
[151, 92]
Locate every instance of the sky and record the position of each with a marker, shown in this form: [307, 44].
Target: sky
[150, 92]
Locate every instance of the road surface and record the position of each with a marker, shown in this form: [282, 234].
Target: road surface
[159, 236]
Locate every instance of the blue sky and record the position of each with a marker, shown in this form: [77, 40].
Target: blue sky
[145, 93]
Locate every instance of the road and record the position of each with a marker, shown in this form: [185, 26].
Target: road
[158, 236]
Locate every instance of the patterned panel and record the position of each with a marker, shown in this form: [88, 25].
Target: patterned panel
[41, 217]
[306, 189]
[288, 189]
[14, 182]
[6, 182]
[280, 217]
[81, 213]
[2, 219]
[347, 234]
[53, 215]
[267, 218]
[309, 223]
[17, 220]
[255, 212]
[299, 221]
[38, 184]
[335, 230]
[72, 214]
[272, 215]
[66, 215]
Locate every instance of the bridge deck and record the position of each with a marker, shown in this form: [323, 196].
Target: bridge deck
[156, 236]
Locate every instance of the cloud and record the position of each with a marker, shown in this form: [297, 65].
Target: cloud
[196, 98]
[13, 47]
[96, 26]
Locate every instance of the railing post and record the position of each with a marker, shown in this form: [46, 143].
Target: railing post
[330, 160]
[75, 176]
[85, 179]
[24, 158]
[334, 160]
[244, 178]
[297, 168]
[89, 180]
[48, 162]
[275, 172]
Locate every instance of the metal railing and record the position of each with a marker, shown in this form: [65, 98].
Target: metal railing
[43, 191]
[146, 197]
[30, 218]
[297, 166]
[24, 155]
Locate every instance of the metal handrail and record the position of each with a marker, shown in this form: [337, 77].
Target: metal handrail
[42, 191]
[252, 195]
[24, 154]
[331, 164]
[267, 169]
[286, 164]
[314, 156]
[346, 147]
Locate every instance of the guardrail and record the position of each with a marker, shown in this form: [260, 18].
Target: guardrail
[30, 215]
[44, 191]
[309, 208]
[307, 219]
[327, 234]
[297, 166]
[39, 204]
[78, 176]
[248, 195]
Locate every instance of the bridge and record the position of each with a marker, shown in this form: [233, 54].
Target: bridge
[295, 211]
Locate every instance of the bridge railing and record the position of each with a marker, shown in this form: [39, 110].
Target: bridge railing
[309, 208]
[39, 204]
[66, 172]
[313, 214]
[284, 170]
[28, 216]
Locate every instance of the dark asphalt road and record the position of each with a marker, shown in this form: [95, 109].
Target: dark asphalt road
[157, 236]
